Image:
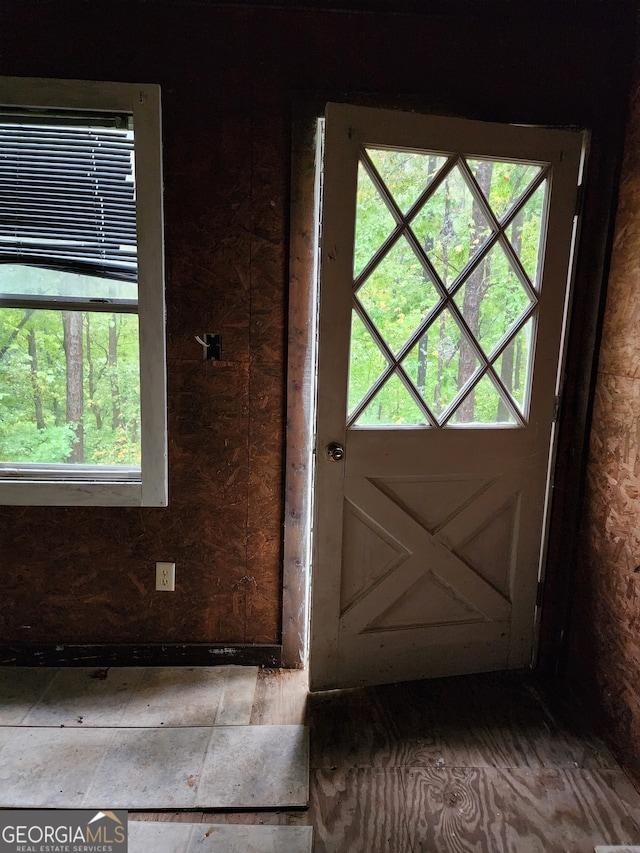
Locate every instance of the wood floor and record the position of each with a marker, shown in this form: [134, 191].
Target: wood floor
[479, 763]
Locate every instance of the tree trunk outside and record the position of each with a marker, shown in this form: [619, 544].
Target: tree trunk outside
[423, 357]
[35, 385]
[116, 413]
[517, 381]
[506, 374]
[72, 326]
[437, 394]
[445, 235]
[423, 345]
[91, 377]
[473, 294]
[506, 367]
[55, 403]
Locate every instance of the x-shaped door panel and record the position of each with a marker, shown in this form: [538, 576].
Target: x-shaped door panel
[450, 589]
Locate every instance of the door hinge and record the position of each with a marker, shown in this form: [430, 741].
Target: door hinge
[539, 593]
[556, 407]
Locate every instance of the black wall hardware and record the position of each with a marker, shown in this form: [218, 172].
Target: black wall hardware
[212, 346]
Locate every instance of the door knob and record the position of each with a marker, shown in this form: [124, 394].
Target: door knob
[335, 451]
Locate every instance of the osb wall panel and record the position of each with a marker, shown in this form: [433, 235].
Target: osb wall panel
[229, 79]
[87, 575]
[605, 638]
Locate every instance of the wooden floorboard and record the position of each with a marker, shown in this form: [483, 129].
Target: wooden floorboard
[481, 764]
[281, 695]
[547, 811]
[448, 722]
[359, 810]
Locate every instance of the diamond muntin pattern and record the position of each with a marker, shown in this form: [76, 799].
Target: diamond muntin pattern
[406, 174]
[452, 226]
[446, 267]
[399, 295]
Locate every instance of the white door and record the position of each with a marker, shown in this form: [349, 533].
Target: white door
[445, 248]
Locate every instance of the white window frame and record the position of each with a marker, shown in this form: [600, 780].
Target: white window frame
[86, 485]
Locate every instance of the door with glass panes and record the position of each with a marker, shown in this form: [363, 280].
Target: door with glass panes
[444, 260]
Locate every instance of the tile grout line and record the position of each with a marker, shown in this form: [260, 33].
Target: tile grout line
[143, 672]
[245, 714]
[99, 764]
[205, 754]
[223, 691]
[41, 695]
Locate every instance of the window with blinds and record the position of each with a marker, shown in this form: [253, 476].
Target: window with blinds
[81, 286]
[67, 194]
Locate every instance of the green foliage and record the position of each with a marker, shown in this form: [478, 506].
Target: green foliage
[24, 442]
[34, 389]
[401, 297]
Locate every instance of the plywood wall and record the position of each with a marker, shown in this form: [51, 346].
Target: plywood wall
[87, 575]
[230, 78]
[604, 657]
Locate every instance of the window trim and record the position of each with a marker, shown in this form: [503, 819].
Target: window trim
[43, 485]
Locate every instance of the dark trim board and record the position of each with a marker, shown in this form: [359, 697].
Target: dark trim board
[130, 654]
[495, 8]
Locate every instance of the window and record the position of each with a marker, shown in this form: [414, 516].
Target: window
[446, 277]
[82, 352]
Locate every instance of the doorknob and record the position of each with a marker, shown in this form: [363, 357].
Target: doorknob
[335, 451]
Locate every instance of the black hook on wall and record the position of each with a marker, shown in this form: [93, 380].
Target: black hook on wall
[212, 347]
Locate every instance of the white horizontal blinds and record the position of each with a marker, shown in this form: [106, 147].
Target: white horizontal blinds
[67, 195]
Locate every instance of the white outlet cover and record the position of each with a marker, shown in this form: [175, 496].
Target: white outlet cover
[165, 577]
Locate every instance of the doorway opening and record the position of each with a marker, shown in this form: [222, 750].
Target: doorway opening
[443, 270]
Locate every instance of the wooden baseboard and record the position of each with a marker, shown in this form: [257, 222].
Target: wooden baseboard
[132, 654]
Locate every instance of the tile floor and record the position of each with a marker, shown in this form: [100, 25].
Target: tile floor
[217, 838]
[127, 696]
[144, 738]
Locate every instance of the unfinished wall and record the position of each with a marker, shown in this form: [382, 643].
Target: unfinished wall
[605, 637]
[229, 79]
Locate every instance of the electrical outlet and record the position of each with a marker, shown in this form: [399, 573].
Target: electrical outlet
[166, 577]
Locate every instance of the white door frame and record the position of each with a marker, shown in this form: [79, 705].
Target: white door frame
[300, 391]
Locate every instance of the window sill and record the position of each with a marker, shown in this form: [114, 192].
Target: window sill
[79, 493]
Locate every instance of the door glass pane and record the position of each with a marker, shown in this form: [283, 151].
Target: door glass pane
[398, 295]
[492, 299]
[507, 183]
[483, 405]
[402, 296]
[393, 406]
[366, 362]
[525, 233]
[69, 387]
[451, 227]
[374, 222]
[406, 173]
[513, 365]
[435, 365]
